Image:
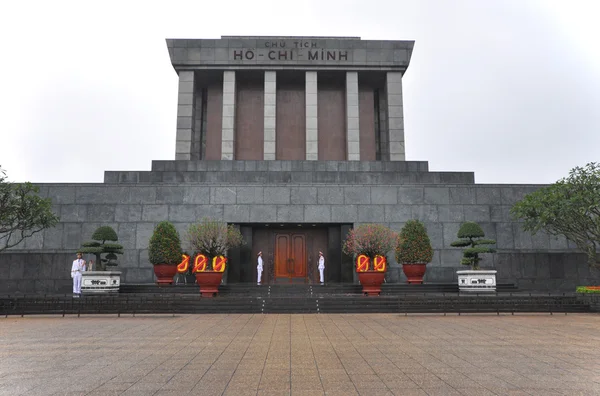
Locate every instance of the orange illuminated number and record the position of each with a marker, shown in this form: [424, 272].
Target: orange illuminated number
[185, 263]
[200, 263]
[219, 263]
[379, 263]
[362, 263]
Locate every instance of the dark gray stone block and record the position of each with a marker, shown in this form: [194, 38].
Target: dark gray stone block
[182, 213]
[330, 195]
[384, 195]
[488, 196]
[72, 236]
[277, 195]
[357, 195]
[142, 195]
[236, 213]
[263, 213]
[209, 211]
[250, 195]
[397, 213]
[303, 195]
[451, 213]
[371, 214]
[436, 195]
[155, 213]
[53, 237]
[143, 233]
[196, 195]
[290, 214]
[317, 213]
[169, 195]
[410, 195]
[223, 195]
[126, 213]
[463, 195]
[477, 213]
[73, 213]
[126, 234]
[436, 234]
[101, 213]
[62, 194]
[425, 213]
[504, 236]
[344, 213]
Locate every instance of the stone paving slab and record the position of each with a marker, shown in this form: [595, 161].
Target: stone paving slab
[361, 354]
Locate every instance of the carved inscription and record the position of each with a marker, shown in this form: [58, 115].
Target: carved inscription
[292, 51]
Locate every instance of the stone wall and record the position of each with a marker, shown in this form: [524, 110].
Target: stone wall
[133, 209]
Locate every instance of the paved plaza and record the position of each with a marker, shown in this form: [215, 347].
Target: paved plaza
[363, 354]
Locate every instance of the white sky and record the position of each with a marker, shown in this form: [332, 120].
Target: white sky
[507, 89]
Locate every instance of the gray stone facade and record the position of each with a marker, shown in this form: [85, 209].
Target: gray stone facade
[133, 207]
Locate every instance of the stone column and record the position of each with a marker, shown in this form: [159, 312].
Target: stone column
[312, 133]
[228, 125]
[185, 116]
[352, 117]
[270, 115]
[395, 116]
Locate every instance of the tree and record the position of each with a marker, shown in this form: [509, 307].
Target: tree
[100, 246]
[23, 212]
[569, 207]
[472, 235]
[414, 245]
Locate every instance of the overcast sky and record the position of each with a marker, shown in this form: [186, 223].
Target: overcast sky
[507, 89]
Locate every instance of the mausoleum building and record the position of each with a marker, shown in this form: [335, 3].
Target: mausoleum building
[295, 140]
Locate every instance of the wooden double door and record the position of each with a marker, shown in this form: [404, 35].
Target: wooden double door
[290, 255]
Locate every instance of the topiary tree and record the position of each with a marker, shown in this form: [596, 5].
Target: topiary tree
[414, 245]
[100, 246]
[165, 245]
[472, 235]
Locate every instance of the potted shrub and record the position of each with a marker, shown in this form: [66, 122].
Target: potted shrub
[103, 278]
[211, 239]
[472, 237]
[414, 251]
[369, 243]
[164, 252]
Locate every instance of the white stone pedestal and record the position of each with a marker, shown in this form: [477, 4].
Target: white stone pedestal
[100, 282]
[477, 280]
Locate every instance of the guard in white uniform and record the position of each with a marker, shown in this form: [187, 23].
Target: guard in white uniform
[76, 270]
[259, 268]
[321, 268]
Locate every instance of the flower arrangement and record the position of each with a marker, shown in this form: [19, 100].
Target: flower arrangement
[165, 245]
[212, 239]
[414, 245]
[369, 240]
[471, 235]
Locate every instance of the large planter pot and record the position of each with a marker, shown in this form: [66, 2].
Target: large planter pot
[477, 280]
[165, 273]
[414, 272]
[100, 282]
[371, 282]
[209, 282]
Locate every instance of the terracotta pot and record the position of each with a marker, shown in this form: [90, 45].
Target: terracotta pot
[164, 273]
[414, 272]
[371, 282]
[209, 282]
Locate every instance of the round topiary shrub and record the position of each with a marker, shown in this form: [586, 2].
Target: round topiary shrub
[414, 245]
[165, 245]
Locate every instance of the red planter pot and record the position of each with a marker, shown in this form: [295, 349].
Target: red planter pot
[164, 273]
[209, 282]
[414, 272]
[371, 282]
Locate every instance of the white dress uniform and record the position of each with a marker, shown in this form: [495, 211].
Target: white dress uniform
[321, 268]
[76, 270]
[259, 269]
